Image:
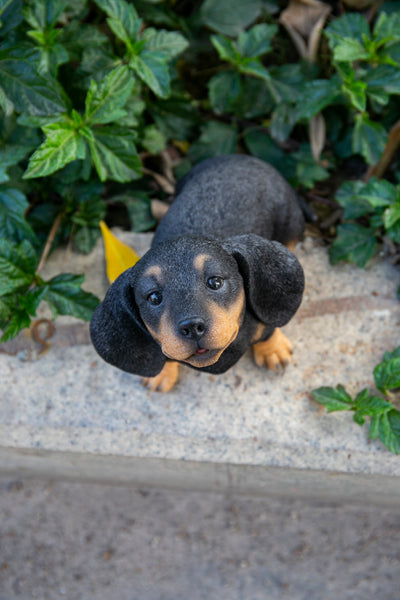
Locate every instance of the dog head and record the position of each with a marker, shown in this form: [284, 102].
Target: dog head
[185, 300]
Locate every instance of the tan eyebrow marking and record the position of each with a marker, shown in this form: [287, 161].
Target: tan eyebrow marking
[199, 262]
[154, 271]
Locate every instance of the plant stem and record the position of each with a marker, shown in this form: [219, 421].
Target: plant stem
[49, 242]
[391, 147]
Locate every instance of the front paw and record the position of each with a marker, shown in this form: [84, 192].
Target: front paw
[165, 380]
[277, 350]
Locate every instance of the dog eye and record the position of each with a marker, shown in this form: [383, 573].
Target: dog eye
[215, 283]
[155, 298]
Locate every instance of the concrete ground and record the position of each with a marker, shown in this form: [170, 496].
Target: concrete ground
[100, 542]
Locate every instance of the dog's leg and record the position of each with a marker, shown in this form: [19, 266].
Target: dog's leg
[165, 380]
[274, 351]
[292, 245]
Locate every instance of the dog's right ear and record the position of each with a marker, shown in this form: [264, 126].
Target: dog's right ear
[118, 333]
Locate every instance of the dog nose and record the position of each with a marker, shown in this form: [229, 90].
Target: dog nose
[193, 328]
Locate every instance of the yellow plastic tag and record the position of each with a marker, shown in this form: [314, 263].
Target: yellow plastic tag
[119, 256]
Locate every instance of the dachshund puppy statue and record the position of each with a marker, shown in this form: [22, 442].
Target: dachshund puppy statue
[220, 277]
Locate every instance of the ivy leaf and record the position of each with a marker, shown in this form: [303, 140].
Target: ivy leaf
[64, 295]
[354, 243]
[333, 399]
[383, 79]
[356, 91]
[260, 144]
[257, 40]
[391, 216]
[226, 49]
[349, 49]
[229, 16]
[389, 430]
[353, 26]
[349, 198]
[216, 139]
[123, 19]
[224, 90]
[253, 66]
[63, 145]
[152, 68]
[104, 101]
[17, 265]
[380, 193]
[369, 139]
[28, 91]
[114, 154]
[13, 225]
[317, 95]
[367, 405]
[168, 43]
[387, 375]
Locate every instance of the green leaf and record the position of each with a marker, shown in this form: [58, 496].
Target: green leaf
[260, 144]
[123, 19]
[333, 399]
[28, 91]
[257, 40]
[383, 78]
[389, 430]
[17, 265]
[65, 297]
[104, 101]
[348, 196]
[114, 154]
[169, 43]
[18, 321]
[369, 139]
[380, 193]
[13, 224]
[354, 243]
[226, 49]
[229, 16]
[216, 139]
[308, 171]
[282, 121]
[351, 26]
[349, 49]
[370, 406]
[387, 28]
[43, 14]
[253, 66]
[394, 354]
[387, 375]
[63, 145]
[153, 139]
[224, 90]
[356, 91]
[152, 68]
[139, 209]
[317, 95]
[391, 216]
[11, 154]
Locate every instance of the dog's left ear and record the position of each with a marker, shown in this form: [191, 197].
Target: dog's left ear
[273, 277]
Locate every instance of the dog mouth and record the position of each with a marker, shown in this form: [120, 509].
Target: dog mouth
[201, 351]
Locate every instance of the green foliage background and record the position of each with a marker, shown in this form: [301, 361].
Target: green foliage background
[90, 90]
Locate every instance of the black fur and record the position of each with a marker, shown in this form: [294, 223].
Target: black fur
[228, 208]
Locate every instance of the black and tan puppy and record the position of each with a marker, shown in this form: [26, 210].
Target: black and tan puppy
[213, 282]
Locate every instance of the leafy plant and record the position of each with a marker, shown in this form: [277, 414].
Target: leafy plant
[95, 97]
[384, 417]
[367, 76]
[377, 200]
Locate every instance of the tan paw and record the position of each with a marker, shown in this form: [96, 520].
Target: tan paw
[165, 380]
[277, 350]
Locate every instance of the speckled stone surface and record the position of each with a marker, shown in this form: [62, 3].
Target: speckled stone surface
[66, 407]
